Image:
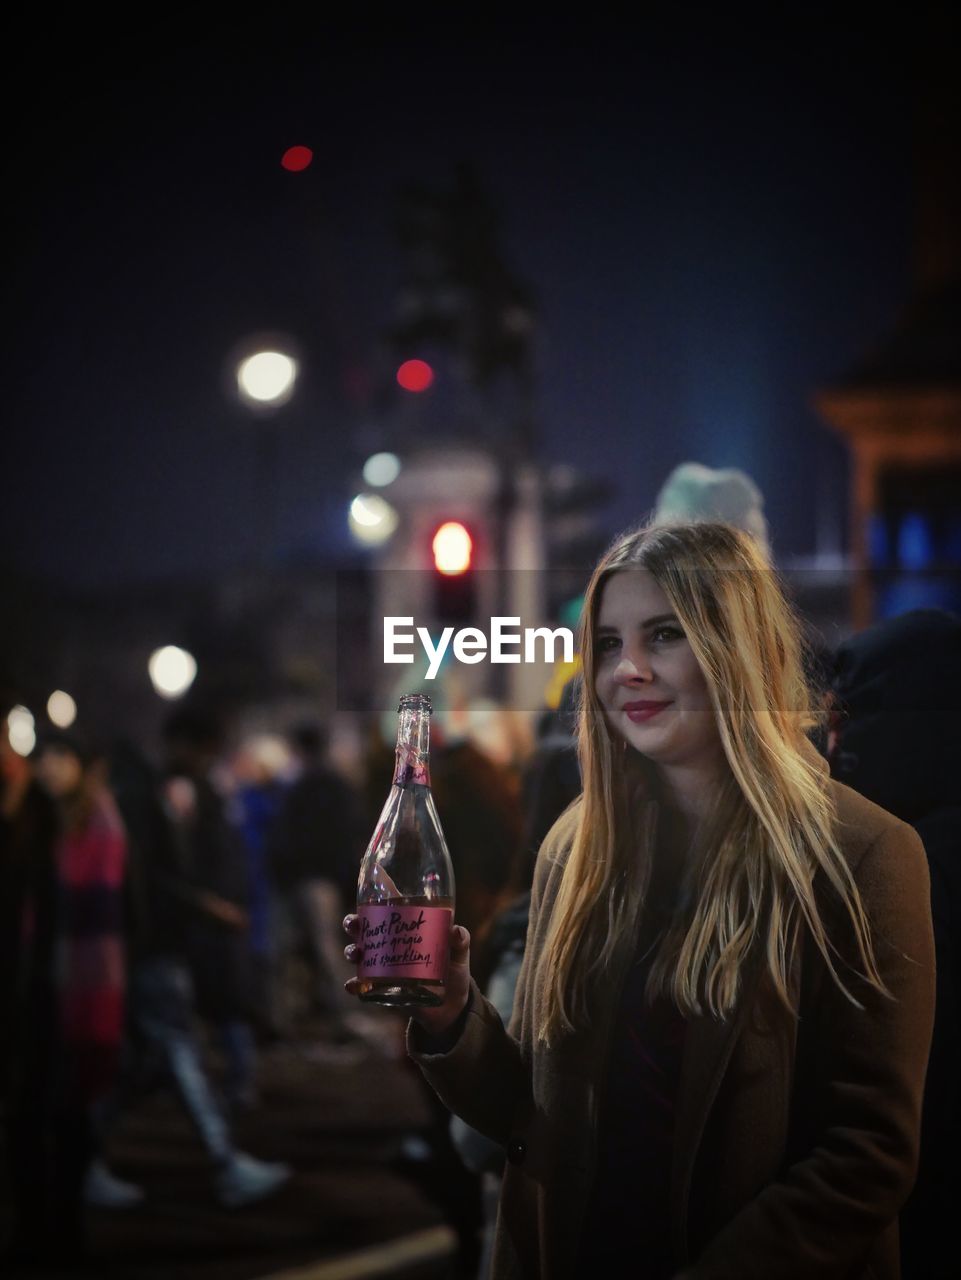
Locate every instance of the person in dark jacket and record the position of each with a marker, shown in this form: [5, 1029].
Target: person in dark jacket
[215, 860]
[313, 850]
[259, 790]
[897, 740]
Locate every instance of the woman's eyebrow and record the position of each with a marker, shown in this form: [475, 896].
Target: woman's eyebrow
[603, 628]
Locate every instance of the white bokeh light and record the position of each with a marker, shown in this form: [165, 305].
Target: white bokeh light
[267, 378]
[381, 469]
[61, 709]
[372, 520]
[172, 671]
[22, 729]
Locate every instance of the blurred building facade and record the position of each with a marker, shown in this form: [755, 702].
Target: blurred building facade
[899, 409]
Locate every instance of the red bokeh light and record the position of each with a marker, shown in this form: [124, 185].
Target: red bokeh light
[296, 159]
[415, 375]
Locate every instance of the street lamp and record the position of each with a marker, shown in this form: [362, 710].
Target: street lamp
[265, 370]
[21, 730]
[61, 709]
[372, 519]
[172, 671]
[266, 378]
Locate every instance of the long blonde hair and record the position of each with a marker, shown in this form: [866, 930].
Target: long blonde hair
[773, 825]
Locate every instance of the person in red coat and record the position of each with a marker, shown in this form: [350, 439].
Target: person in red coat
[71, 925]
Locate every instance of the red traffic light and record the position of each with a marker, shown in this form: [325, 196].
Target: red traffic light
[415, 375]
[452, 547]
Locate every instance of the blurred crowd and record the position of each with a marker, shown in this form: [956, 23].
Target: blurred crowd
[172, 908]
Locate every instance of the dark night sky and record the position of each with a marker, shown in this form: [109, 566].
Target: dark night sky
[713, 227]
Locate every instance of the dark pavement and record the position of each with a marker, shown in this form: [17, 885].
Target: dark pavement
[359, 1203]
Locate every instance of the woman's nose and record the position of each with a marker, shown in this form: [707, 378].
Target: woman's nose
[634, 668]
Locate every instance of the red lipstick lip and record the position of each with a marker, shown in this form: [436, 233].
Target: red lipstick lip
[643, 710]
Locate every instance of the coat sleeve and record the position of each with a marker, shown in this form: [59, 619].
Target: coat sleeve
[482, 1078]
[822, 1216]
[478, 1153]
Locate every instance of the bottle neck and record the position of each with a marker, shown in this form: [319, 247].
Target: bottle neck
[411, 765]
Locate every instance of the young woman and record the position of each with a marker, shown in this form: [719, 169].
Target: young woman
[716, 1055]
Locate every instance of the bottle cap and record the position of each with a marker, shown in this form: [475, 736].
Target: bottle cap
[415, 702]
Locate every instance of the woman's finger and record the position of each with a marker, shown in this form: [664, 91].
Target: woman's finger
[351, 923]
[459, 943]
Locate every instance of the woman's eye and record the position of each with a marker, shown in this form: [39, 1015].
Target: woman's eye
[666, 634]
[608, 644]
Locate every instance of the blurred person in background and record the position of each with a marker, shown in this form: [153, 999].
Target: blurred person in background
[161, 1046]
[72, 1063]
[314, 852]
[39, 1139]
[693, 491]
[551, 777]
[896, 739]
[215, 860]
[478, 798]
[260, 769]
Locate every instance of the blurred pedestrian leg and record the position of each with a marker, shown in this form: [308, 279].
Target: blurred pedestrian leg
[240, 1057]
[165, 1049]
[312, 913]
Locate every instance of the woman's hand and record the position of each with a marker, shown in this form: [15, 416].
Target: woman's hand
[440, 1018]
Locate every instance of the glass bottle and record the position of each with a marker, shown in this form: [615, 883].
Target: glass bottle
[405, 890]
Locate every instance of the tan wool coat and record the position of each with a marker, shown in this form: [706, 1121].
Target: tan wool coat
[796, 1139]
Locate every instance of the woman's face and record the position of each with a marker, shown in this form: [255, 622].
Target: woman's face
[647, 679]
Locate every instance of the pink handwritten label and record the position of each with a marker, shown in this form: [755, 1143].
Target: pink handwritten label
[404, 942]
[411, 771]
[410, 765]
